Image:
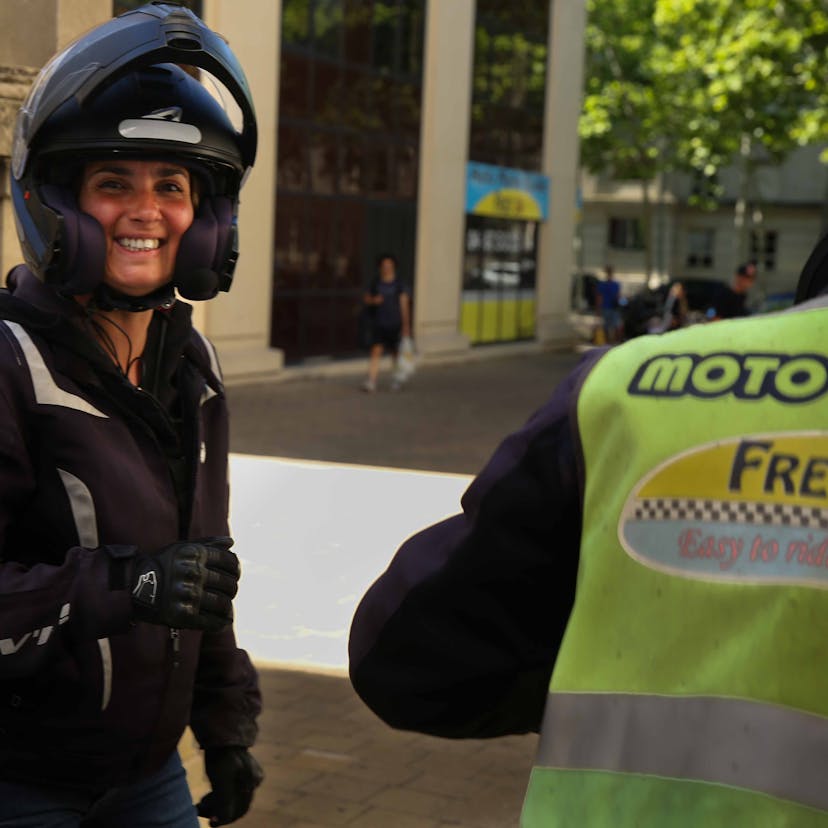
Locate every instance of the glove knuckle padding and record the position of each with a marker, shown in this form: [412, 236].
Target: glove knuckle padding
[196, 583]
[186, 551]
[222, 559]
[219, 605]
[218, 582]
[186, 591]
[189, 572]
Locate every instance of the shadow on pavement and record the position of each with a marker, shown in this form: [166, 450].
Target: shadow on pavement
[330, 762]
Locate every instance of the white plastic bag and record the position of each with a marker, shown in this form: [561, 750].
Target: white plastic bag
[406, 360]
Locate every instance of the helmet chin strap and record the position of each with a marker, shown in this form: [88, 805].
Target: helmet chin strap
[106, 298]
[196, 283]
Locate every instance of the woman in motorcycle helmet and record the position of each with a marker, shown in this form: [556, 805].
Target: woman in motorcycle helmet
[116, 573]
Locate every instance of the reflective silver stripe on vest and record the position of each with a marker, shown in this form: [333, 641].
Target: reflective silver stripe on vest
[83, 509]
[45, 389]
[762, 747]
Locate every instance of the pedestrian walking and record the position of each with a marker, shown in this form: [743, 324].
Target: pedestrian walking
[389, 302]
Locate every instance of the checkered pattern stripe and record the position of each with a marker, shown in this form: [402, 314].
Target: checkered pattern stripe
[727, 511]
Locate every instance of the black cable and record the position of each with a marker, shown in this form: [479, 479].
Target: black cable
[108, 343]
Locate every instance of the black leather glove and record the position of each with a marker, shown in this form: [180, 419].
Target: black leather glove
[188, 585]
[234, 774]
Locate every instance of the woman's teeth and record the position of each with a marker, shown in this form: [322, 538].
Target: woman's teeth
[139, 244]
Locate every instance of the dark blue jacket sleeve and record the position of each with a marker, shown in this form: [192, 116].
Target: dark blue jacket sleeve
[459, 635]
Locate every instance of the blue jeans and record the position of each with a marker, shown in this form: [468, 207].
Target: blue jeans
[162, 800]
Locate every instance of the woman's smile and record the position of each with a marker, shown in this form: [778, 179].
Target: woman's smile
[144, 208]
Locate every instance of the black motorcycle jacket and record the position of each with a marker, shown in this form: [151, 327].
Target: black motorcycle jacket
[93, 470]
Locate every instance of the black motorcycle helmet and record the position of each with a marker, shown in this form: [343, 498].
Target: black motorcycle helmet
[120, 90]
[814, 277]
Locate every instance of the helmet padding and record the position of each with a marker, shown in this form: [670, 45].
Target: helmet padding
[82, 251]
[120, 91]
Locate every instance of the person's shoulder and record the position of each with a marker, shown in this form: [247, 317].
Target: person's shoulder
[203, 353]
[23, 322]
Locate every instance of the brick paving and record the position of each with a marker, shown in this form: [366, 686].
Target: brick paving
[329, 761]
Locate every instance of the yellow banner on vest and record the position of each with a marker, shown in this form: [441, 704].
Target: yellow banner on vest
[777, 468]
[747, 509]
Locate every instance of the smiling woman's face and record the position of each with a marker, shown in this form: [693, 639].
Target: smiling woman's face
[144, 207]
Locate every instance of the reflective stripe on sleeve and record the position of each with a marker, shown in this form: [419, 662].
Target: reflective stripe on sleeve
[761, 747]
[83, 509]
[46, 390]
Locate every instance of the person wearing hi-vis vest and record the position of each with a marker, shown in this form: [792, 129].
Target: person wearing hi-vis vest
[640, 575]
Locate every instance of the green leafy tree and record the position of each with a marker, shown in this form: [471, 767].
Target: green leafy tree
[697, 85]
[758, 72]
[624, 123]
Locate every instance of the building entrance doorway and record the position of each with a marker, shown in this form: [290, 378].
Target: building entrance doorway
[350, 86]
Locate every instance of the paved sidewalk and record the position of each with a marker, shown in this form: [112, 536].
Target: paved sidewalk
[329, 761]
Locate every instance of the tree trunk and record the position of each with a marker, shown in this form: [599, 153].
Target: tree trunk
[646, 225]
[740, 211]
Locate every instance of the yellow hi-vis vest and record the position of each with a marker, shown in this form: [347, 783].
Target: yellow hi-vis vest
[691, 687]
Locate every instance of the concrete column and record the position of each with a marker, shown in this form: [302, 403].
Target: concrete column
[444, 142]
[15, 82]
[33, 30]
[556, 253]
[238, 322]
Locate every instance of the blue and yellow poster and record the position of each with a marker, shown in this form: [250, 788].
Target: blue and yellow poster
[504, 192]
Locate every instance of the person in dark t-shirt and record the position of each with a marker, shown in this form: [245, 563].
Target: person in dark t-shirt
[608, 296]
[390, 301]
[731, 301]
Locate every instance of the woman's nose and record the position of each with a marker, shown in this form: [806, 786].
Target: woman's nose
[145, 205]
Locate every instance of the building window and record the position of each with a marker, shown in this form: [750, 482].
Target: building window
[625, 234]
[349, 121]
[700, 247]
[704, 188]
[509, 83]
[764, 245]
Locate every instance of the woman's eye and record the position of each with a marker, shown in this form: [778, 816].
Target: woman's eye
[171, 187]
[110, 184]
